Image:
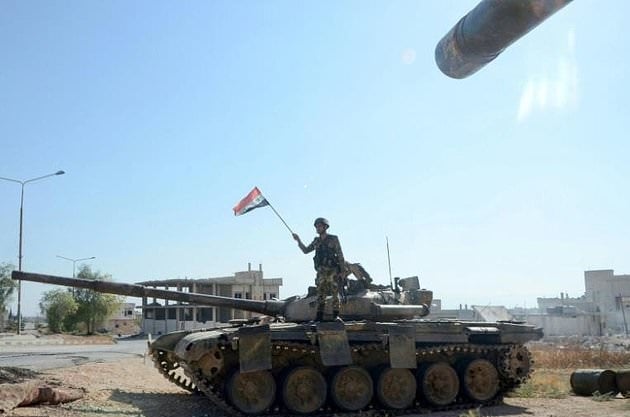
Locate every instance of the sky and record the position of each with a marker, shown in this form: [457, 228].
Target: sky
[494, 189]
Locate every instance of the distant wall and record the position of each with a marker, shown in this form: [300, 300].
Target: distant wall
[158, 327]
[566, 326]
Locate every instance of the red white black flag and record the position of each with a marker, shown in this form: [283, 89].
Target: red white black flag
[253, 200]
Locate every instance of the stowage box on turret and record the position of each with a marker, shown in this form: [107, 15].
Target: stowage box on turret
[383, 355]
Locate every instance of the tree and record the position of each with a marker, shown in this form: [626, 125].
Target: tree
[7, 288]
[94, 307]
[60, 309]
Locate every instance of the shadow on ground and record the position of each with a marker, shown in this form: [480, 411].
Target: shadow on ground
[171, 404]
[195, 405]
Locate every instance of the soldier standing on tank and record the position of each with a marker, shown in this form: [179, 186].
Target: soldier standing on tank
[328, 262]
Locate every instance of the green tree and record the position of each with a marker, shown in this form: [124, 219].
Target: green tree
[60, 309]
[94, 307]
[7, 289]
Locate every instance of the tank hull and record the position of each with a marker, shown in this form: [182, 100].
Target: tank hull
[262, 369]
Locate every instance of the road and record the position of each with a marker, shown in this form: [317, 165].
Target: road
[43, 357]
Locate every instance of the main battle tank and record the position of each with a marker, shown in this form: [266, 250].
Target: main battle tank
[384, 355]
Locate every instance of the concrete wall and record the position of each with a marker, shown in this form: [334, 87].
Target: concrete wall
[585, 325]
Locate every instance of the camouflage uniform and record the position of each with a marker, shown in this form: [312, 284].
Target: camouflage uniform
[328, 262]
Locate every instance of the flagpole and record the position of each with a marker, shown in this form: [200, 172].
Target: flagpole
[277, 214]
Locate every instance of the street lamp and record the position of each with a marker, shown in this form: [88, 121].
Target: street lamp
[74, 262]
[23, 183]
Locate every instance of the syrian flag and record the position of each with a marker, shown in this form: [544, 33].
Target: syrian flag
[253, 200]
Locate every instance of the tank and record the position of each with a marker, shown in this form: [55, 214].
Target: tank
[482, 34]
[385, 353]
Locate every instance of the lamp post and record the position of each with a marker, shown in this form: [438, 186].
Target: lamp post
[23, 183]
[74, 262]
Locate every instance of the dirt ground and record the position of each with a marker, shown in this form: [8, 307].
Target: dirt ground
[134, 388]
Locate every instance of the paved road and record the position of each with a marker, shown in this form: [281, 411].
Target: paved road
[40, 358]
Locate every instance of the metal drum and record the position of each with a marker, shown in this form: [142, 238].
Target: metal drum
[590, 381]
[623, 382]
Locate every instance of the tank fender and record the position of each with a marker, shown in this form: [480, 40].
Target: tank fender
[254, 348]
[196, 344]
[334, 348]
[167, 342]
[402, 347]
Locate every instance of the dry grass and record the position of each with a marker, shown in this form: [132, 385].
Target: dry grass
[574, 357]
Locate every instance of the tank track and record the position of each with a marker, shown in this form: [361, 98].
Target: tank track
[172, 371]
[510, 377]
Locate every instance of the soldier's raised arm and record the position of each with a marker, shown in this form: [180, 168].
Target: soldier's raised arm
[303, 248]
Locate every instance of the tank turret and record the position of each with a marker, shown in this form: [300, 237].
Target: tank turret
[482, 34]
[384, 355]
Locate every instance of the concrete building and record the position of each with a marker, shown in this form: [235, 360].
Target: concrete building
[610, 294]
[124, 321]
[566, 316]
[603, 309]
[163, 316]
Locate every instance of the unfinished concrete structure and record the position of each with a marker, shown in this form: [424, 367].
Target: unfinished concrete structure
[160, 316]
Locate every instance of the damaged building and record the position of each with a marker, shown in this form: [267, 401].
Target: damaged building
[603, 309]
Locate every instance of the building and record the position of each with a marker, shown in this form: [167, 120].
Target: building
[602, 310]
[124, 321]
[163, 316]
[610, 294]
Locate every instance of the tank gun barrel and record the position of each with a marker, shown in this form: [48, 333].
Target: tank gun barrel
[268, 307]
[482, 34]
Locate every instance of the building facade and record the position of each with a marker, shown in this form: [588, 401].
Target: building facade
[604, 309]
[124, 322]
[163, 316]
[610, 294]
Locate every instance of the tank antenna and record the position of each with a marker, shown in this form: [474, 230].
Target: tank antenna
[389, 264]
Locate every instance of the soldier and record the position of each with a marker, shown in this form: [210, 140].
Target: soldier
[328, 261]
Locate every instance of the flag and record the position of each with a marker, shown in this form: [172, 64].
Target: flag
[253, 200]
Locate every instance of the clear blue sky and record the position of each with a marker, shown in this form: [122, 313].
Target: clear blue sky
[494, 189]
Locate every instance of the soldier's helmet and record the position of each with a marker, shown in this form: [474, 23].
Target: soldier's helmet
[322, 221]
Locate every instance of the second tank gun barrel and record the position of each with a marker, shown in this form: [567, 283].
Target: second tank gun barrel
[268, 307]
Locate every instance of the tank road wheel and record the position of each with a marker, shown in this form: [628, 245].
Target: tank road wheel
[480, 379]
[304, 390]
[396, 388]
[211, 363]
[251, 392]
[439, 383]
[351, 388]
